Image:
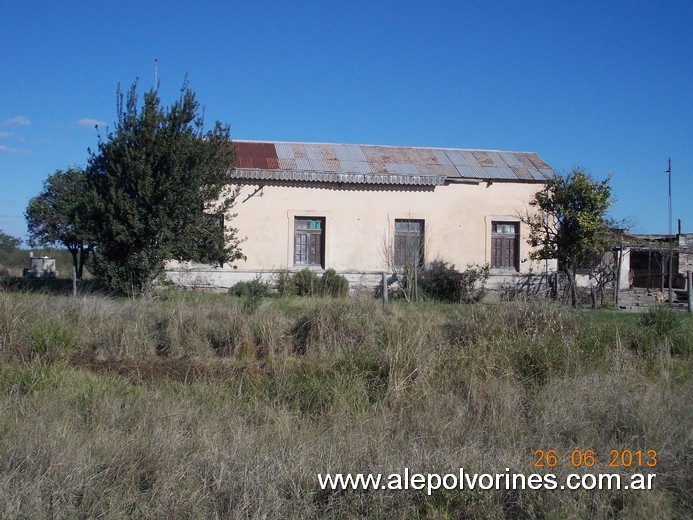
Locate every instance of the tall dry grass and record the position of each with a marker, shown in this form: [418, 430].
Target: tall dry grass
[200, 406]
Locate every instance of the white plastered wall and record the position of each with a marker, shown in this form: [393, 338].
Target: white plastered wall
[359, 220]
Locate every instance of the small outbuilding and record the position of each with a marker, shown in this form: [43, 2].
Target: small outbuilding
[41, 267]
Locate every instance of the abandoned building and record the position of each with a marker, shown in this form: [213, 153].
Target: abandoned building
[649, 259]
[651, 265]
[364, 210]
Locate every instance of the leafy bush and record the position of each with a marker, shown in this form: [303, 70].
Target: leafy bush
[333, 284]
[441, 281]
[285, 283]
[253, 288]
[306, 282]
[301, 283]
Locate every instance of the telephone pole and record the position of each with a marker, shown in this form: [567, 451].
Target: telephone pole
[668, 172]
[156, 87]
[671, 241]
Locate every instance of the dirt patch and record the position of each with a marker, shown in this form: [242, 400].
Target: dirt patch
[154, 370]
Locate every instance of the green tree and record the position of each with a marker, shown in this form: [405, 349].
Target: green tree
[58, 215]
[8, 243]
[11, 255]
[571, 225]
[161, 187]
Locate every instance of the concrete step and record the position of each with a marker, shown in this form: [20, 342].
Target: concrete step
[641, 300]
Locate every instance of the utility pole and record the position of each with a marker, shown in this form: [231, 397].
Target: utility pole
[671, 241]
[669, 174]
[156, 87]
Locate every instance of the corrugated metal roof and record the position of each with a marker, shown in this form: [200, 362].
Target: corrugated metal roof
[369, 164]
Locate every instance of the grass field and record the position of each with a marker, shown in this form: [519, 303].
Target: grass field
[207, 406]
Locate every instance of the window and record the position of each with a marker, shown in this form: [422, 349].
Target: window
[309, 241]
[409, 242]
[505, 245]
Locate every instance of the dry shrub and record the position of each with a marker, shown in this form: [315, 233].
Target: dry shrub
[271, 332]
[228, 332]
[331, 325]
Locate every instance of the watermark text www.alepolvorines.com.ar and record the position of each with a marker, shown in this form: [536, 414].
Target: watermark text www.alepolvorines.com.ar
[484, 481]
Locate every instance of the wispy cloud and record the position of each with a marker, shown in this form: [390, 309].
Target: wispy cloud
[5, 135]
[88, 122]
[17, 121]
[9, 149]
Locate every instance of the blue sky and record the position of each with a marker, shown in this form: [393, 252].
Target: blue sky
[607, 85]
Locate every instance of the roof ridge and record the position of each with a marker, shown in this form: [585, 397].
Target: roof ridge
[380, 146]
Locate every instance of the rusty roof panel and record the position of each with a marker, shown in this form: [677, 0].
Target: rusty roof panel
[482, 157]
[525, 160]
[442, 157]
[418, 162]
[496, 159]
[388, 154]
[416, 159]
[287, 164]
[313, 152]
[383, 164]
[398, 155]
[328, 153]
[244, 162]
[538, 162]
[427, 156]
[372, 153]
[324, 165]
[256, 150]
[378, 167]
[272, 163]
[299, 151]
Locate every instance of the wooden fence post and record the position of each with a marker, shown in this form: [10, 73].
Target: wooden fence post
[619, 264]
